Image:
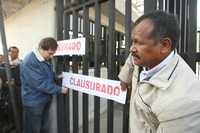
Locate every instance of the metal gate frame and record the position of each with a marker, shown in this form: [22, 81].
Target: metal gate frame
[63, 23]
[186, 10]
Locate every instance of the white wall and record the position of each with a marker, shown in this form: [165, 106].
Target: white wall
[32, 23]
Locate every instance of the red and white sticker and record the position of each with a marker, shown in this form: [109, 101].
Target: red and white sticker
[105, 88]
[71, 47]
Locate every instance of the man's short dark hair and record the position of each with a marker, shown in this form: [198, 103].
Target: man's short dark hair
[165, 25]
[13, 47]
[48, 43]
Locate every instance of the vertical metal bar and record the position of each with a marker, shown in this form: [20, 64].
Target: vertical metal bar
[111, 60]
[178, 9]
[126, 115]
[175, 8]
[66, 68]
[180, 23]
[118, 56]
[128, 29]
[177, 13]
[60, 98]
[71, 22]
[171, 6]
[105, 38]
[79, 24]
[97, 64]
[160, 4]
[128, 25]
[167, 5]
[182, 18]
[192, 23]
[59, 18]
[91, 28]
[75, 70]
[8, 74]
[199, 42]
[185, 26]
[86, 32]
[149, 5]
[66, 29]
[60, 111]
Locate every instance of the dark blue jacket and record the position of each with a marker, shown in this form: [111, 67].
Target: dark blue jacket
[37, 80]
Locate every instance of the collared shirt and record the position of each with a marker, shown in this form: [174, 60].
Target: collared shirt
[38, 55]
[15, 62]
[148, 74]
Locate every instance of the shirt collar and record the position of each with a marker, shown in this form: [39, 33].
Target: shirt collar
[38, 55]
[15, 61]
[148, 74]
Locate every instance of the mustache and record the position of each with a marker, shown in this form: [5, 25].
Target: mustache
[135, 55]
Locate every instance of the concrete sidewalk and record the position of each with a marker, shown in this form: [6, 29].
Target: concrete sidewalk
[118, 115]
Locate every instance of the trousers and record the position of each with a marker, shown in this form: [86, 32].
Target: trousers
[36, 119]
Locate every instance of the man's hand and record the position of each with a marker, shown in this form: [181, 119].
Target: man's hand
[64, 90]
[60, 76]
[123, 85]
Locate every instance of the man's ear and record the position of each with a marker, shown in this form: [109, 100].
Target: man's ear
[166, 45]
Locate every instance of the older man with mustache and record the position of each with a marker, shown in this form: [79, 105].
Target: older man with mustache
[165, 95]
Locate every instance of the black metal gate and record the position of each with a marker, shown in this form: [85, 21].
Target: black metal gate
[104, 48]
